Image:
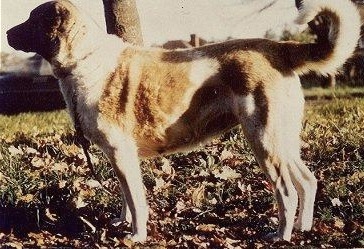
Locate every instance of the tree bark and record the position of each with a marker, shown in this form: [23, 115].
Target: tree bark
[122, 19]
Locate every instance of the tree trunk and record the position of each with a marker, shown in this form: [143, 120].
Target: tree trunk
[122, 19]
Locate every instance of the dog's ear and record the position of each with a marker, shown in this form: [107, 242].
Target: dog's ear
[59, 18]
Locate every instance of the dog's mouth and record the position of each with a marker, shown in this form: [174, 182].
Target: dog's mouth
[17, 44]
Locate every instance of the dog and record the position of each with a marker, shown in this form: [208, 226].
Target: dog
[136, 102]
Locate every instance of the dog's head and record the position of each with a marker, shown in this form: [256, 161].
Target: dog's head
[47, 27]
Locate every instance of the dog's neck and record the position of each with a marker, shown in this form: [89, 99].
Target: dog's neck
[90, 60]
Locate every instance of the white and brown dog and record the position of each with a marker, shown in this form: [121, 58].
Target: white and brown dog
[136, 102]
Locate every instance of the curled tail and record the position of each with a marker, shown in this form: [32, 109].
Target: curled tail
[334, 45]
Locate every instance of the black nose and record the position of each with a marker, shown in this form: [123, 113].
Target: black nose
[12, 32]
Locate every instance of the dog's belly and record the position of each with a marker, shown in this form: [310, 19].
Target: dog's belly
[212, 110]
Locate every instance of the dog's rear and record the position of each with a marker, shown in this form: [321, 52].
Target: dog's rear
[160, 101]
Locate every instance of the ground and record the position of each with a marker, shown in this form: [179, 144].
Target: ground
[215, 197]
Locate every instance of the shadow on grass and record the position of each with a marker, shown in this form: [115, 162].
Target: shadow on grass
[57, 214]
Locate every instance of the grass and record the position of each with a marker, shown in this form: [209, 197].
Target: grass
[215, 197]
[34, 124]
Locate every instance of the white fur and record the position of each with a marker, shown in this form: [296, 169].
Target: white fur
[202, 69]
[248, 103]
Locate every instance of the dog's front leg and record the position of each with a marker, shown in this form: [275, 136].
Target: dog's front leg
[124, 159]
[125, 214]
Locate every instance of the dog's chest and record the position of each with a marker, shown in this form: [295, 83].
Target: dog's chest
[82, 107]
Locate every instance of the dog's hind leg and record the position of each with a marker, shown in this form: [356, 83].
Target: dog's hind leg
[306, 185]
[276, 166]
[269, 119]
[305, 182]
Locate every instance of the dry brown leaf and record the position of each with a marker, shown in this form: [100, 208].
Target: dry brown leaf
[128, 243]
[61, 167]
[38, 162]
[38, 237]
[159, 184]
[198, 195]
[226, 173]
[225, 154]
[49, 215]
[180, 206]
[62, 184]
[206, 227]
[93, 183]
[204, 173]
[166, 166]
[80, 202]
[29, 150]
[339, 223]
[14, 244]
[27, 198]
[15, 151]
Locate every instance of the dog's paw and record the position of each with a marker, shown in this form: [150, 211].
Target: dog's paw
[137, 238]
[275, 237]
[272, 237]
[126, 217]
[304, 227]
[117, 222]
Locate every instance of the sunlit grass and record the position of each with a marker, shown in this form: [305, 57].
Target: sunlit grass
[33, 124]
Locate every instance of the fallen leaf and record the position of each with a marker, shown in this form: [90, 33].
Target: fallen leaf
[62, 184]
[30, 150]
[198, 195]
[128, 243]
[50, 216]
[61, 167]
[339, 223]
[159, 184]
[38, 162]
[93, 183]
[213, 201]
[226, 173]
[15, 151]
[27, 198]
[229, 243]
[180, 206]
[225, 154]
[166, 167]
[206, 227]
[103, 237]
[16, 245]
[242, 187]
[80, 202]
[204, 173]
[336, 202]
[38, 237]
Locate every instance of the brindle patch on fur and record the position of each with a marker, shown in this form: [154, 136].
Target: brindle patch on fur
[114, 99]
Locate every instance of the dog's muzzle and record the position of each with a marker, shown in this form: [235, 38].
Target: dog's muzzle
[18, 39]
